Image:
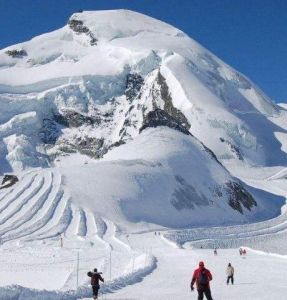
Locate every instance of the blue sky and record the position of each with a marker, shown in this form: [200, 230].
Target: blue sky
[250, 35]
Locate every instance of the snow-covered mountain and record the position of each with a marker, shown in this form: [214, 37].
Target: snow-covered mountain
[140, 120]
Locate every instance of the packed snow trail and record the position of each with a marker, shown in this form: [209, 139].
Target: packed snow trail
[171, 279]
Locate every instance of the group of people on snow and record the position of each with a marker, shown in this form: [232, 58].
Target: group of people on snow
[201, 278]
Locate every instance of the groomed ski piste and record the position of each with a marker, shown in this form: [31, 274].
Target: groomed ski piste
[43, 234]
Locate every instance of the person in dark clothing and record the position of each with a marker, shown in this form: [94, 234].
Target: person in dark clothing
[202, 277]
[95, 282]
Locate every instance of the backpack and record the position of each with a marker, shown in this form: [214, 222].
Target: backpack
[203, 278]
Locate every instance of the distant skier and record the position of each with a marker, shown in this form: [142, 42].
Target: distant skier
[202, 277]
[95, 278]
[215, 251]
[230, 273]
[240, 251]
[244, 252]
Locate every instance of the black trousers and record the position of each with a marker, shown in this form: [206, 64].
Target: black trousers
[95, 290]
[206, 291]
[228, 278]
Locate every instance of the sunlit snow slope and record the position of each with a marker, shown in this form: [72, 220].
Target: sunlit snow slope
[91, 92]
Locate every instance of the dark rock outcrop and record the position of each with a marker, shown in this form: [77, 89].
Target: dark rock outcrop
[238, 196]
[49, 132]
[16, 53]
[160, 117]
[79, 27]
[168, 105]
[133, 86]
[71, 118]
[8, 181]
[92, 147]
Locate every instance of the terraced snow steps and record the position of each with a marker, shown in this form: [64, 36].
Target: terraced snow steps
[62, 223]
[43, 216]
[55, 218]
[25, 192]
[24, 211]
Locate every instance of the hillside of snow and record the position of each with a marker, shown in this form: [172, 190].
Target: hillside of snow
[168, 179]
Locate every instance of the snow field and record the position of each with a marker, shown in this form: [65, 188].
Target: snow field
[135, 265]
[171, 279]
[36, 214]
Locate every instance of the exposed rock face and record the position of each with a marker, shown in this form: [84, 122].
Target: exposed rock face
[85, 145]
[238, 196]
[186, 196]
[140, 96]
[50, 131]
[160, 117]
[8, 181]
[145, 102]
[16, 53]
[168, 105]
[81, 142]
[79, 27]
[72, 118]
[133, 86]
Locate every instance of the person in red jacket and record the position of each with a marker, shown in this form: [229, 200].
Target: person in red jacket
[202, 277]
[95, 282]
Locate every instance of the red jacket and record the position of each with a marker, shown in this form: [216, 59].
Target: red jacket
[195, 278]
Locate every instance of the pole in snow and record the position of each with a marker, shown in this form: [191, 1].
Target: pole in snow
[111, 265]
[78, 261]
[133, 262]
[61, 239]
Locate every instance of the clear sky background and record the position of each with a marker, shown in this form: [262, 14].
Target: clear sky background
[250, 35]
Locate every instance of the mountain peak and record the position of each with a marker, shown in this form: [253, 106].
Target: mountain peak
[111, 24]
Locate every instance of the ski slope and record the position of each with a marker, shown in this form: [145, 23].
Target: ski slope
[37, 211]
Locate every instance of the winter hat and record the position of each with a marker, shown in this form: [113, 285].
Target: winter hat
[95, 270]
[201, 264]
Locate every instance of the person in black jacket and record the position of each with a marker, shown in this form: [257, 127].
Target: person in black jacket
[95, 282]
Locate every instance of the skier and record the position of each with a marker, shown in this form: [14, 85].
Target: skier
[95, 278]
[229, 273]
[201, 277]
[215, 251]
